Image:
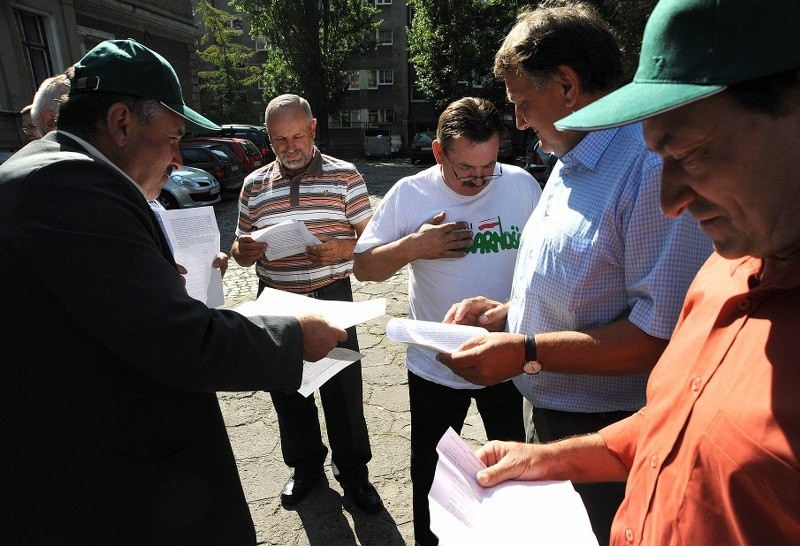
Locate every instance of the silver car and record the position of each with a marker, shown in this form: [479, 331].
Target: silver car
[189, 187]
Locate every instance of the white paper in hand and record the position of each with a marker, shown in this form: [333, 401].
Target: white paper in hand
[437, 336]
[285, 239]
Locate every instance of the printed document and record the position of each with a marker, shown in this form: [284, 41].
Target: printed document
[514, 512]
[194, 237]
[344, 314]
[437, 336]
[285, 239]
[315, 374]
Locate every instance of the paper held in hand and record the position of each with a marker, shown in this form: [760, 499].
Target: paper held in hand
[344, 314]
[514, 512]
[436, 336]
[285, 239]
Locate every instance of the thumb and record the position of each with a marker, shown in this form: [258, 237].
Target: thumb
[491, 315]
[493, 475]
[437, 219]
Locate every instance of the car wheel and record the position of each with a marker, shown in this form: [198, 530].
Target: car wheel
[167, 201]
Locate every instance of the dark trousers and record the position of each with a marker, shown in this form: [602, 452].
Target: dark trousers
[435, 407]
[602, 500]
[343, 407]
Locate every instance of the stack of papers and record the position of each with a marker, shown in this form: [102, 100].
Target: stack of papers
[285, 239]
[436, 336]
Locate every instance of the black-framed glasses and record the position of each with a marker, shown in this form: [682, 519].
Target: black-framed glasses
[471, 179]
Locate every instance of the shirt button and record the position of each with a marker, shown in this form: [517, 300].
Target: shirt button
[653, 461]
[743, 305]
[628, 535]
[696, 384]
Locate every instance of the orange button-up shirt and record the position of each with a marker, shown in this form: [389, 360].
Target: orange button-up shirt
[714, 456]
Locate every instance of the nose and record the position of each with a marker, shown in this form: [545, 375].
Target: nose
[177, 158]
[520, 119]
[676, 193]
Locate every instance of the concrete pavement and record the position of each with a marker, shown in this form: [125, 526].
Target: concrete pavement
[325, 517]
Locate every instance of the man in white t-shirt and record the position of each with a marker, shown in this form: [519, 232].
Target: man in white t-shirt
[457, 225]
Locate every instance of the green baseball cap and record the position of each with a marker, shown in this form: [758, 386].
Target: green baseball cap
[693, 49]
[128, 67]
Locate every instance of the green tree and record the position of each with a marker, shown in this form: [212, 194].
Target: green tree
[308, 42]
[452, 41]
[223, 85]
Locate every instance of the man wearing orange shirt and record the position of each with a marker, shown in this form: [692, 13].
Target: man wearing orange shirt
[714, 456]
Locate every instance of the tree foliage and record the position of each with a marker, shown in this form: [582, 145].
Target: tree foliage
[452, 41]
[224, 84]
[308, 42]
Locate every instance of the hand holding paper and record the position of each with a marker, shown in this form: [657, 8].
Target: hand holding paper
[436, 336]
[285, 239]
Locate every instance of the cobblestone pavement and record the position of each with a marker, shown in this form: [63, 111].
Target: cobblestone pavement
[325, 517]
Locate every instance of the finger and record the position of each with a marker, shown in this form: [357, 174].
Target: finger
[494, 314]
[448, 317]
[181, 269]
[437, 218]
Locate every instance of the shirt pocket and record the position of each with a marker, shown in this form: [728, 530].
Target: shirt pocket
[738, 492]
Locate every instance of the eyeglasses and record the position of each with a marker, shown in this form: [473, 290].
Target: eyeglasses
[29, 129]
[472, 179]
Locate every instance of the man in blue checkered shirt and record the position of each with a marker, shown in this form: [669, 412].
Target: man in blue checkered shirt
[600, 273]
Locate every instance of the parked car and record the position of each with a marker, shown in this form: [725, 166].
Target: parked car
[244, 149]
[255, 134]
[421, 147]
[538, 163]
[189, 187]
[216, 159]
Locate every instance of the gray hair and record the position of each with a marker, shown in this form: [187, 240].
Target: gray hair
[284, 102]
[49, 97]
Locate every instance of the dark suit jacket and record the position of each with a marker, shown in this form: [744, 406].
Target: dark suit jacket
[110, 431]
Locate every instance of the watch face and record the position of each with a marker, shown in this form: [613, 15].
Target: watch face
[532, 367]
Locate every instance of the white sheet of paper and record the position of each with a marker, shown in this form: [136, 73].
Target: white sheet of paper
[285, 239]
[464, 513]
[436, 336]
[343, 314]
[194, 236]
[315, 374]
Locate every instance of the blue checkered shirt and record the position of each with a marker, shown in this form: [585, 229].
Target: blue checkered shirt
[597, 249]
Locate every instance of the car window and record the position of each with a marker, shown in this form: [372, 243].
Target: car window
[424, 138]
[250, 148]
[194, 155]
[224, 152]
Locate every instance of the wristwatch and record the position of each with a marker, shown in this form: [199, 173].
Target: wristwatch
[531, 366]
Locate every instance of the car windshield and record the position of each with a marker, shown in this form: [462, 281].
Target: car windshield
[250, 148]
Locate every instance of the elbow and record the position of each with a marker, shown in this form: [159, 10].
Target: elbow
[363, 272]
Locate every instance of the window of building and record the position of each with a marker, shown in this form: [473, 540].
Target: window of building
[34, 46]
[383, 2]
[236, 23]
[384, 37]
[91, 37]
[379, 77]
[261, 43]
[381, 115]
[354, 79]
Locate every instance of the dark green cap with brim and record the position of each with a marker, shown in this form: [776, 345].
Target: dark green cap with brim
[693, 49]
[129, 68]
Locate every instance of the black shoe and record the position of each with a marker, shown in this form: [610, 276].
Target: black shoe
[296, 489]
[365, 497]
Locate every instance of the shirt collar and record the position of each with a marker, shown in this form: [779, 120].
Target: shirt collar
[314, 168]
[589, 150]
[747, 267]
[97, 154]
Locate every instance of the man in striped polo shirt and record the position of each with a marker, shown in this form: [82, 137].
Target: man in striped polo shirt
[330, 197]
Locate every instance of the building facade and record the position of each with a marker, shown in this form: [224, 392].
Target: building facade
[41, 38]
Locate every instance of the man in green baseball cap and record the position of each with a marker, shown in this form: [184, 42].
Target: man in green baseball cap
[111, 428]
[714, 456]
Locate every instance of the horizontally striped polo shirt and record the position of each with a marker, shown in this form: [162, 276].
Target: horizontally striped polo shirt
[329, 197]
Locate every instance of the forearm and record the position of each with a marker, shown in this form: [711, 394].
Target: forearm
[381, 262]
[619, 348]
